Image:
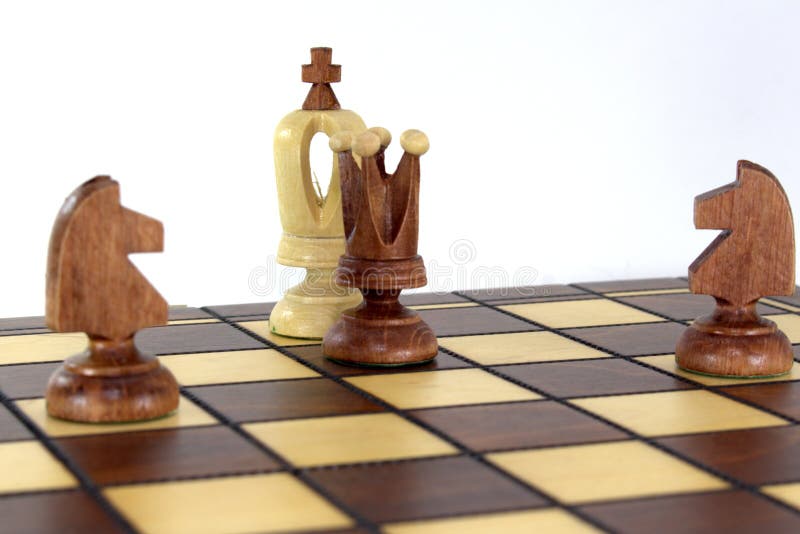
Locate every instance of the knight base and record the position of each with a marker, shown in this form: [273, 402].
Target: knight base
[734, 342]
[112, 382]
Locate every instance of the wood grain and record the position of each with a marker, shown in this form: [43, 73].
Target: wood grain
[517, 425]
[755, 254]
[284, 399]
[781, 397]
[753, 257]
[425, 488]
[607, 376]
[90, 280]
[66, 511]
[164, 454]
[704, 513]
[93, 287]
[381, 222]
[756, 456]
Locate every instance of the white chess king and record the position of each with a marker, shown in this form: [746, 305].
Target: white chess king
[313, 233]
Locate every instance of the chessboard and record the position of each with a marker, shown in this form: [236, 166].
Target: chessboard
[548, 409]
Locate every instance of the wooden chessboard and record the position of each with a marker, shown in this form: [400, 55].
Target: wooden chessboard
[547, 410]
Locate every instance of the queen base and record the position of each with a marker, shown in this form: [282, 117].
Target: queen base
[309, 309]
[112, 382]
[380, 332]
[736, 343]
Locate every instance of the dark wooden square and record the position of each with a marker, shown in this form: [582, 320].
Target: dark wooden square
[11, 428]
[284, 399]
[258, 317]
[22, 323]
[710, 513]
[587, 378]
[528, 293]
[684, 306]
[165, 455]
[179, 313]
[424, 488]
[756, 456]
[260, 309]
[794, 300]
[186, 338]
[473, 320]
[421, 299]
[62, 511]
[646, 284]
[633, 339]
[313, 355]
[506, 302]
[782, 397]
[24, 332]
[517, 425]
[26, 381]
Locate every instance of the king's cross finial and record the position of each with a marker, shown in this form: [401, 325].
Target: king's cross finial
[321, 73]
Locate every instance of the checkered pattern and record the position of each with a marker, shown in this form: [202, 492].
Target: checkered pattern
[555, 409]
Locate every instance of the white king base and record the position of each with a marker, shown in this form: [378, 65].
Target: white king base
[311, 307]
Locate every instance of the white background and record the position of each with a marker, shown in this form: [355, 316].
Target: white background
[566, 137]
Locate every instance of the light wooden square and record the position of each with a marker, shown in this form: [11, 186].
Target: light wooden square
[419, 307]
[779, 304]
[646, 292]
[204, 320]
[32, 348]
[575, 313]
[261, 503]
[441, 388]
[605, 471]
[262, 329]
[187, 414]
[667, 363]
[524, 522]
[28, 466]
[789, 323]
[348, 439]
[521, 347]
[678, 412]
[788, 493]
[234, 366]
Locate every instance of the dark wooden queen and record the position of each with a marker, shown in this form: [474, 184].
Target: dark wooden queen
[381, 224]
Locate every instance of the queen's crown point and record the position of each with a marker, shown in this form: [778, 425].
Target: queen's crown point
[414, 142]
[383, 134]
[341, 141]
[367, 144]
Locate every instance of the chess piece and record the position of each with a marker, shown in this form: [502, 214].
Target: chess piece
[753, 257]
[313, 236]
[381, 222]
[93, 287]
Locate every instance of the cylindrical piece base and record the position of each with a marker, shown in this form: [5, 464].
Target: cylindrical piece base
[736, 343]
[111, 383]
[309, 309]
[380, 333]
